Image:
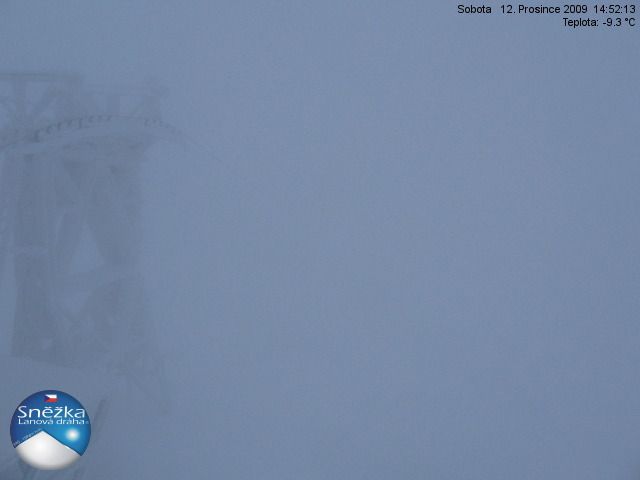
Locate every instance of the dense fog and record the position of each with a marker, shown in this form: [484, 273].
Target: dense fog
[399, 242]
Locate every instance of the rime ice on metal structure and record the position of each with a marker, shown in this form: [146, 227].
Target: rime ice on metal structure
[69, 219]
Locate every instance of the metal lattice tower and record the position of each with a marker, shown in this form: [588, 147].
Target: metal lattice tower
[69, 220]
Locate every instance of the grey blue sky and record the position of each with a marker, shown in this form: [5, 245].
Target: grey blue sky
[408, 248]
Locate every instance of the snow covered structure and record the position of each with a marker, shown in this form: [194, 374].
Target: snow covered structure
[70, 237]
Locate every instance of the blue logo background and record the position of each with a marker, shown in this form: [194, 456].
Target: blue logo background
[74, 435]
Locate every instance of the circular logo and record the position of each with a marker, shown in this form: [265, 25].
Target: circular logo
[50, 430]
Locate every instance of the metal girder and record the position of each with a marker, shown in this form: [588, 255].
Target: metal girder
[70, 184]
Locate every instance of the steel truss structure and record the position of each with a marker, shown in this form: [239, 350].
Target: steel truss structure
[69, 226]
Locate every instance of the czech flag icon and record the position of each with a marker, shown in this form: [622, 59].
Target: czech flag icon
[50, 398]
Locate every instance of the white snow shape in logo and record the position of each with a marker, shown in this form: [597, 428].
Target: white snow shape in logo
[46, 453]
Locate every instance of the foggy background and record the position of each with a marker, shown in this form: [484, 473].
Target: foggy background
[406, 247]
